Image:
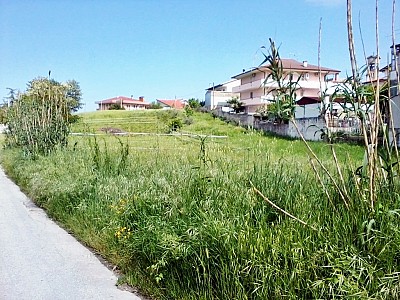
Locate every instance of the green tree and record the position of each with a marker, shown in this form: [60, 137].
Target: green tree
[70, 89]
[74, 95]
[155, 105]
[116, 106]
[236, 105]
[194, 103]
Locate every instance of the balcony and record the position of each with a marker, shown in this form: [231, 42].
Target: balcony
[254, 85]
[270, 84]
[256, 101]
[304, 84]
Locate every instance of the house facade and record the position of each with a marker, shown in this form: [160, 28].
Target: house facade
[218, 95]
[171, 103]
[125, 102]
[394, 89]
[256, 89]
[387, 74]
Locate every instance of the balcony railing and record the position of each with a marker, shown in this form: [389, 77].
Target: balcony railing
[254, 85]
[270, 84]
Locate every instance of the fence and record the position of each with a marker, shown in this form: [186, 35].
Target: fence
[310, 128]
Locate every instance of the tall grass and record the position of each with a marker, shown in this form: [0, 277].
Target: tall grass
[183, 222]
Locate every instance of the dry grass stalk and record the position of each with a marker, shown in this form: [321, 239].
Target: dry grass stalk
[278, 208]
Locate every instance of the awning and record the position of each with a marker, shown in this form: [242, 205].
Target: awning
[308, 100]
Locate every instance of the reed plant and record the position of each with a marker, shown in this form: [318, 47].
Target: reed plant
[37, 121]
[381, 161]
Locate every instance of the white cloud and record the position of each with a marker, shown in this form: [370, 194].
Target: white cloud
[326, 2]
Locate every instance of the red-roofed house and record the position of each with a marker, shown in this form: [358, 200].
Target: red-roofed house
[172, 104]
[256, 91]
[125, 102]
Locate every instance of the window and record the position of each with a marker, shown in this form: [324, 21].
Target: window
[305, 76]
[251, 95]
[329, 77]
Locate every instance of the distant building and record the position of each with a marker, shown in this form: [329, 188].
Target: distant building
[216, 96]
[256, 88]
[394, 94]
[172, 104]
[125, 102]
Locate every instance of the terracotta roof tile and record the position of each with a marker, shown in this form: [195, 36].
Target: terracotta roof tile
[174, 103]
[125, 100]
[290, 64]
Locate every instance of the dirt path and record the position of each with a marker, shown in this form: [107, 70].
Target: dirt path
[39, 260]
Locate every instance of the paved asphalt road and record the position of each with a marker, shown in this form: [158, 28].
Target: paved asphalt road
[39, 260]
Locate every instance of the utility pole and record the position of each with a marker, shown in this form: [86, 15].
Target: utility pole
[212, 97]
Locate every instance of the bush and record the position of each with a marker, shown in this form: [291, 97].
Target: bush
[116, 106]
[3, 109]
[175, 124]
[188, 111]
[188, 121]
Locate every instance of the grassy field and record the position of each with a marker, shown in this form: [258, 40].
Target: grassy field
[179, 216]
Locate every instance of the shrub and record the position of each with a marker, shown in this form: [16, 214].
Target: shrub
[188, 111]
[236, 105]
[175, 124]
[188, 121]
[116, 106]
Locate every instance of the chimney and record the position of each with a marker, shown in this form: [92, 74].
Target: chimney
[141, 98]
[305, 63]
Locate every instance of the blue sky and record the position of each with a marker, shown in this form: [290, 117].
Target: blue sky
[172, 48]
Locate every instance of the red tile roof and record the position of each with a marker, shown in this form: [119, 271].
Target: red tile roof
[289, 64]
[292, 64]
[175, 103]
[125, 100]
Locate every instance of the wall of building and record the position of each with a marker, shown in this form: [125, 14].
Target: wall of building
[214, 99]
[308, 111]
[217, 97]
[252, 109]
[240, 119]
[250, 78]
[208, 103]
[394, 90]
[231, 84]
[134, 107]
[396, 111]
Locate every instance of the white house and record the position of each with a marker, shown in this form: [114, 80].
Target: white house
[217, 95]
[394, 89]
[124, 102]
[257, 89]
